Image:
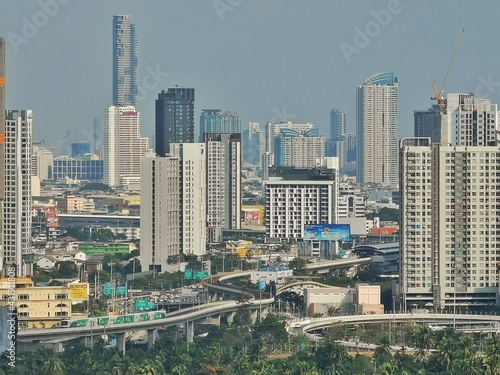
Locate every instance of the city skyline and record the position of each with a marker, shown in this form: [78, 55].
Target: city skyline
[330, 70]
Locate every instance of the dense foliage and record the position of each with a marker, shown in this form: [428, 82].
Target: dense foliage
[266, 348]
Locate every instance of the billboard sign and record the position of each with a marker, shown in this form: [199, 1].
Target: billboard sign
[79, 291]
[327, 232]
[52, 217]
[252, 215]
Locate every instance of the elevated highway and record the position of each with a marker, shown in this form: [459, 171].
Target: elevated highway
[312, 324]
[31, 337]
[338, 263]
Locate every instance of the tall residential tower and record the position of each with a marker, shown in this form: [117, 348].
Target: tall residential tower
[377, 127]
[17, 203]
[123, 146]
[174, 119]
[125, 78]
[219, 121]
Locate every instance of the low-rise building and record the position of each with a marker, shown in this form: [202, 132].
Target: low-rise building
[327, 301]
[367, 299]
[37, 306]
[46, 262]
[269, 274]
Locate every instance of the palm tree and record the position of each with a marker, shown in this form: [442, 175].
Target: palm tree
[471, 365]
[464, 347]
[423, 341]
[445, 350]
[382, 352]
[388, 368]
[492, 353]
[52, 364]
[214, 353]
[240, 364]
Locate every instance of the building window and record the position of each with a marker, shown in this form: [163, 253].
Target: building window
[24, 296]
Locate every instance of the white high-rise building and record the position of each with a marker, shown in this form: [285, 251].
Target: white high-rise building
[223, 184]
[474, 121]
[160, 211]
[123, 146]
[377, 128]
[298, 197]
[193, 195]
[273, 130]
[17, 203]
[449, 236]
[305, 150]
[267, 161]
[41, 162]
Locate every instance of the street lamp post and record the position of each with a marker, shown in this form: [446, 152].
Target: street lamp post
[394, 318]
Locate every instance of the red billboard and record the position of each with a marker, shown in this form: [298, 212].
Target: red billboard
[47, 214]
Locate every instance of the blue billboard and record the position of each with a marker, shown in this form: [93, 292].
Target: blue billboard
[327, 232]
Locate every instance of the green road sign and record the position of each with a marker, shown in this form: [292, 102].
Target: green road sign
[151, 306]
[198, 275]
[122, 290]
[188, 274]
[108, 289]
[141, 304]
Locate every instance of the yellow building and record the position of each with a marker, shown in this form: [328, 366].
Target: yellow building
[37, 306]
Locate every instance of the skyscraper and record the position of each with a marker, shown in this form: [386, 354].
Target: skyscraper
[17, 203]
[377, 127]
[293, 148]
[123, 146]
[273, 130]
[219, 121]
[2, 120]
[125, 77]
[428, 124]
[2, 139]
[449, 235]
[223, 183]
[160, 211]
[174, 118]
[193, 195]
[337, 125]
[475, 120]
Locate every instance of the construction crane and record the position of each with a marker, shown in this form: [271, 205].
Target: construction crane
[438, 95]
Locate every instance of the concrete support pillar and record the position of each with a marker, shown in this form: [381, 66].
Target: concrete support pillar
[230, 318]
[151, 338]
[253, 316]
[58, 347]
[190, 331]
[120, 342]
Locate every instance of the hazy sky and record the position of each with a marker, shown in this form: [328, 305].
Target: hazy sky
[267, 60]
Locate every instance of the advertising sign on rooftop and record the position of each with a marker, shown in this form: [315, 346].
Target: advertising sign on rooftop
[327, 232]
